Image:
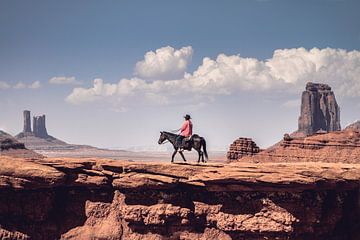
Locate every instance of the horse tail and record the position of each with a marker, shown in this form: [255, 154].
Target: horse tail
[204, 147]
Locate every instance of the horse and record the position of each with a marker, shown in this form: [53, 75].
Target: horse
[195, 142]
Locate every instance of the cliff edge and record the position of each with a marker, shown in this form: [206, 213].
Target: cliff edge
[111, 199]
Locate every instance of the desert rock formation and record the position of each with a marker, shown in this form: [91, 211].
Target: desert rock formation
[41, 142]
[39, 127]
[354, 126]
[242, 147]
[9, 146]
[340, 146]
[319, 110]
[27, 122]
[108, 199]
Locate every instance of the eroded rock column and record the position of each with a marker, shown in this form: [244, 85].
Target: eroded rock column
[27, 122]
[39, 127]
[319, 110]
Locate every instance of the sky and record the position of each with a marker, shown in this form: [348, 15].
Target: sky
[116, 73]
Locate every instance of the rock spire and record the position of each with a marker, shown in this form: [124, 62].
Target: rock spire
[27, 122]
[39, 127]
[319, 110]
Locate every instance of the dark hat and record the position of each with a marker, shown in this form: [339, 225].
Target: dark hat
[187, 117]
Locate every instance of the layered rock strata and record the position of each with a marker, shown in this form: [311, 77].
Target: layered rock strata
[104, 199]
[242, 147]
[340, 146]
[319, 110]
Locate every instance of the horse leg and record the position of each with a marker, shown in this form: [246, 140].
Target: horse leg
[182, 155]
[199, 152]
[173, 155]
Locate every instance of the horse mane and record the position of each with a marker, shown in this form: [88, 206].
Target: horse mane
[169, 133]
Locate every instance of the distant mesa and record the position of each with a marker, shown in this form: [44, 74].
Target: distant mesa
[319, 110]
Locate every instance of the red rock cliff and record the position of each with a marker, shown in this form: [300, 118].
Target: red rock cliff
[319, 110]
[108, 199]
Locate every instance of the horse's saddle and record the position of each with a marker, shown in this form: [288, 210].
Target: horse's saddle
[187, 142]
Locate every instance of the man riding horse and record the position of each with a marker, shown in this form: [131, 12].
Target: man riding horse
[185, 133]
[192, 141]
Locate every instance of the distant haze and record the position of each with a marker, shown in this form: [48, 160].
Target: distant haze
[115, 74]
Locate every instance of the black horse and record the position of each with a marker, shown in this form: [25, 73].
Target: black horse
[195, 142]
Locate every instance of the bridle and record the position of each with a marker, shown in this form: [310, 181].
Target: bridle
[165, 141]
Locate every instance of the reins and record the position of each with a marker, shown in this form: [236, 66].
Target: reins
[166, 140]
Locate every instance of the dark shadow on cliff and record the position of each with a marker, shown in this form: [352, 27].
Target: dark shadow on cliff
[47, 213]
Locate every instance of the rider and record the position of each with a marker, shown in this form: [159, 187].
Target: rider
[185, 131]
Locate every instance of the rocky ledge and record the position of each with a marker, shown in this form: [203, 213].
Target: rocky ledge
[339, 146]
[114, 199]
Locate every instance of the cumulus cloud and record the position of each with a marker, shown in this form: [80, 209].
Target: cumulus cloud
[4, 85]
[165, 63]
[287, 70]
[62, 80]
[20, 85]
[35, 85]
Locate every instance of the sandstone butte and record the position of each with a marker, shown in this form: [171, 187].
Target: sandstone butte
[300, 189]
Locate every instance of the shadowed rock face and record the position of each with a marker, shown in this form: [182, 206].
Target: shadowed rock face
[113, 199]
[27, 122]
[8, 142]
[39, 127]
[319, 110]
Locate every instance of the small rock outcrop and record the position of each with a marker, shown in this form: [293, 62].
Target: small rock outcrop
[27, 122]
[354, 126]
[319, 110]
[8, 142]
[39, 127]
[242, 147]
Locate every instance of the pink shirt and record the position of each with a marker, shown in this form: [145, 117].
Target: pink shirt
[186, 129]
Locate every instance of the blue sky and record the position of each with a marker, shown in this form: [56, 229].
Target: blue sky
[86, 40]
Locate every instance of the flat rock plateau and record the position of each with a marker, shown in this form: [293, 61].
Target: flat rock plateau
[303, 188]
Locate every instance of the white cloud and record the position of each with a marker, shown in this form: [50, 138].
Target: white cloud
[20, 85]
[165, 63]
[4, 85]
[288, 70]
[35, 85]
[62, 80]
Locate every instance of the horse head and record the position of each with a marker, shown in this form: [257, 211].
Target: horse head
[162, 138]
